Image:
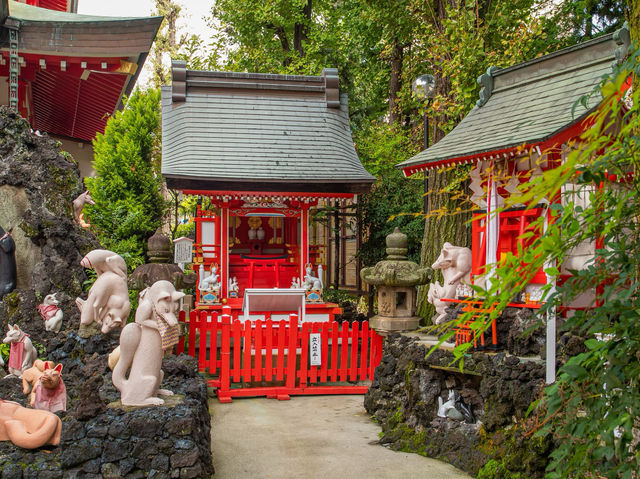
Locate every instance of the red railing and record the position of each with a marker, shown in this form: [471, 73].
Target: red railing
[240, 354]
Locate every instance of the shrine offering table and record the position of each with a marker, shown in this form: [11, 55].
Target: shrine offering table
[314, 312]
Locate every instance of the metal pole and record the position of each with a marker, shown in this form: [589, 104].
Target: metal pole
[426, 173]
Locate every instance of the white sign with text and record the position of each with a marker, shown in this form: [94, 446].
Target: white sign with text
[315, 351]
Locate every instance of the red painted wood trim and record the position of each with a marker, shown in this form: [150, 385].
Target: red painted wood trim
[333, 373]
[246, 359]
[353, 368]
[269, 351]
[225, 353]
[291, 352]
[281, 344]
[303, 372]
[324, 351]
[237, 348]
[202, 344]
[265, 193]
[257, 356]
[282, 393]
[364, 350]
[313, 371]
[193, 324]
[559, 138]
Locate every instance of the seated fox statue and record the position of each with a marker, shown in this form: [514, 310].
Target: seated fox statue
[22, 352]
[108, 301]
[44, 383]
[143, 343]
[51, 313]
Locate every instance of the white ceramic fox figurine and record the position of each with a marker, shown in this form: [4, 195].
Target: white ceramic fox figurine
[51, 313]
[22, 353]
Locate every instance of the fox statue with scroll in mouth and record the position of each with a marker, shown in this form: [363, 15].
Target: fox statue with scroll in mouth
[143, 343]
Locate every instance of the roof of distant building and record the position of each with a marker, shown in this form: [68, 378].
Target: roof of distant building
[74, 68]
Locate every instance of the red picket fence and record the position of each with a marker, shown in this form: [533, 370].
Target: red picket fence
[273, 358]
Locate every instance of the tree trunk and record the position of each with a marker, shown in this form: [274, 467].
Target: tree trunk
[301, 29]
[395, 83]
[284, 42]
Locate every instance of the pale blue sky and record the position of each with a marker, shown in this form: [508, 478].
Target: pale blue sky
[191, 20]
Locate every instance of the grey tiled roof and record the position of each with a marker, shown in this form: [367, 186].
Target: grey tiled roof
[258, 129]
[530, 103]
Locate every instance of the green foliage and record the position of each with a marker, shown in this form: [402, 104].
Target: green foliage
[592, 410]
[127, 187]
[379, 147]
[4, 351]
[339, 296]
[577, 20]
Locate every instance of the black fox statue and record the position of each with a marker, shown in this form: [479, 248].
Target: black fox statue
[7, 263]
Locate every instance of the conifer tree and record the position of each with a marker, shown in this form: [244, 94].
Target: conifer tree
[126, 189]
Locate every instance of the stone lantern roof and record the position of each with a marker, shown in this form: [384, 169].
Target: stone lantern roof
[396, 270]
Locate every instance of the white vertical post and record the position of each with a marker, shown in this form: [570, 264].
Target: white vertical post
[550, 357]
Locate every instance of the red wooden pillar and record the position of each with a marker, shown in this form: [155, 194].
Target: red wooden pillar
[224, 250]
[304, 239]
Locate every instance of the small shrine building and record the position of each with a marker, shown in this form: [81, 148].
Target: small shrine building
[66, 73]
[263, 153]
[527, 120]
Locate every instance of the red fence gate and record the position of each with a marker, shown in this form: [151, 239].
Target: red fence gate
[277, 359]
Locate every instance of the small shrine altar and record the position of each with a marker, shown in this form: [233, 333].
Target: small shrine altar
[264, 154]
[258, 243]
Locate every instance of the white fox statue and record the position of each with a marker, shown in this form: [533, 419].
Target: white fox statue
[142, 346]
[108, 301]
[22, 353]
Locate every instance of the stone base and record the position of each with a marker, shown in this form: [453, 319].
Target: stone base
[383, 324]
[172, 440]
[403, 399]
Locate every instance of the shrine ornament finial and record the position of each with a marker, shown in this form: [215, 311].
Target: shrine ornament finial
[622, 37]
[486, 82]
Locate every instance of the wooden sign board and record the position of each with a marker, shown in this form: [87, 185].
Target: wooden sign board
[182, 252]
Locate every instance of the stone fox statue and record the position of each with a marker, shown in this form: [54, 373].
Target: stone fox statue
[455, 263]
[7, 263]
[108, 301]
[142, 346]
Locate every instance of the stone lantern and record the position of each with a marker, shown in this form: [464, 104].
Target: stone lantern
[158, 268]
[396, 280]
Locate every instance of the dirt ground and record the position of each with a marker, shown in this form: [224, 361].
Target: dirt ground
[324, 437]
